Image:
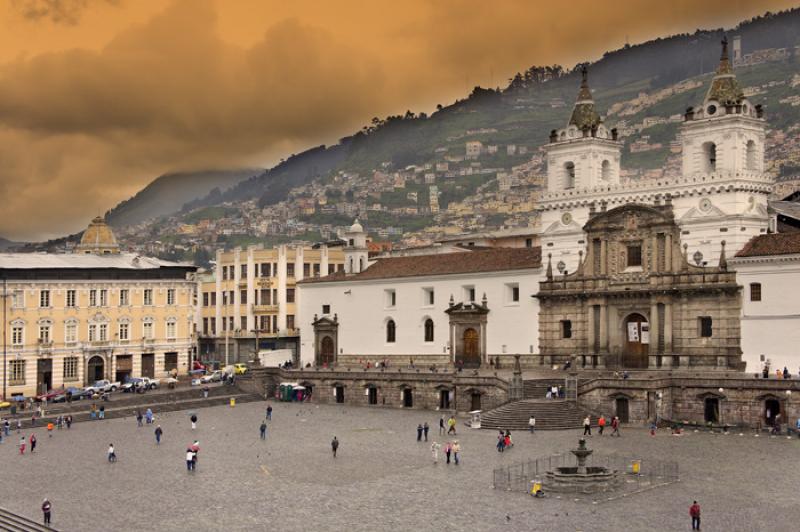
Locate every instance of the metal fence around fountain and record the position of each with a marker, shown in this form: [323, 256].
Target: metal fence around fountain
[636, 474]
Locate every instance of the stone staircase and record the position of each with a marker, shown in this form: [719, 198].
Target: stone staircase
[550, 415]
[15, 523]
[537, 388]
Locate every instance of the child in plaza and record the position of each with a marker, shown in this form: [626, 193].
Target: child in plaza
[112, 454]
[653, 428]
[22, 445]
[194, 421]
[49, 430]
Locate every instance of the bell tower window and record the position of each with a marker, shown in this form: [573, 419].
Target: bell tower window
[605, 170]
[569, 174]
[710, 157]
[750, 150]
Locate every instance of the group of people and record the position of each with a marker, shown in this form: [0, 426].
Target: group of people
[451, 449]
[601, 425]
[554, 392]
[504, 441]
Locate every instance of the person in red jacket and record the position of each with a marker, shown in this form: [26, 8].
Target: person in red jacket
[694, 512]
[602, 424]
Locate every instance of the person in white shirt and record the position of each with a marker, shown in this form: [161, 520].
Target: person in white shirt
[532, 424]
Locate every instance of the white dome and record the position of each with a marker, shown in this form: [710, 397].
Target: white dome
[356, 227]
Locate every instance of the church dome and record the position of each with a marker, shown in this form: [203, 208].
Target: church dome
[356, 227]
[98, 238]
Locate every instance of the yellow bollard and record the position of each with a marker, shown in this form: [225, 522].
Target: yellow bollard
[636, 466]
[233, 402]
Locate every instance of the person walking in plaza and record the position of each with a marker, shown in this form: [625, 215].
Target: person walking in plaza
[269, 412]
[148, 416]
[425, 429]
[194, 421]
[32, 441]
[448, 448]
[456, 452]
[587, 426]
[69, 421]
[46, 509]
[6, 427]
[441, 425]
[112, 453]
[158, 432]
[102, 412]
[50, 427]
[451, 425]
[694, 513]
[19, 425]
[653, 428]
[615, 426]
[601, 424]
[22, 445]
[334, 446]
[532, 423]
[139, 417]
[501, 442]
[263, 430]
[205, 392]
[189, 460]
[419, 432]
[435, 452]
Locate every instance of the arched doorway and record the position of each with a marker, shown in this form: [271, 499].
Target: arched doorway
[372, 395]
[408, 398]
[475, 401]
[636, 343]
[339, 393]
[472, 352]
[711, 410]
[326, 352]
[95, 369]
[772, 407]
[444, 399]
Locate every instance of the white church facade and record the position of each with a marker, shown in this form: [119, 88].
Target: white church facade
[696, 225]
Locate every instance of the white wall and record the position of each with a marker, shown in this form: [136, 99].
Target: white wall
[363, 313]
[771, 327]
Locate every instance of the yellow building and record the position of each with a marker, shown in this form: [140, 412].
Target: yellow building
[251, 298]
[71, 319]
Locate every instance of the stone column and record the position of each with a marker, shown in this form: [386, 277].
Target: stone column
[603, 258]
[590, 339]
[237, 297]
[218, 295]
[299, 273]
[653, 347]
[323, 262]
[281, 300]
[251, 293]
[668, 253]
[654, 254]
[668, 330]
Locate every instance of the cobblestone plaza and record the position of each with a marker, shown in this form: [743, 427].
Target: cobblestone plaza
[382, 479]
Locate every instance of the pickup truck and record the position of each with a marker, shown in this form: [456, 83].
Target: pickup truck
[103, 386]
[139, 384]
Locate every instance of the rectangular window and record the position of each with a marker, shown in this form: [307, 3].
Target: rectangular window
[92, 332]
[147, 330]
[224, 273]
[44, 298]
[18, 299]
[171, 329]
[528, 242]
[44, 334]
[148, 297]
[243, 271]
[290, 270]
[634, 255]
[230, 323]
[326, 309]
[123, 332]
[243, 323]
[566, 329]
[70, 368]
[213, 299]
[428, 297]
[316, 270]
[103, 297]
[205, 325]
[331, 268]
[706, 329]
[170, 361]
[17, 336]
[17, 370]
[102, 332]
[512, 292]
[243, 297]
[469, 293]
[755, 291]
[92, 298]
[265, 270]
[170, 296]
[71, 333]
[390, 298]
[290, 295]
[290, 321]
[124, 297]
[71, 299]
[274, 324]
[205, 299]
[306, 269]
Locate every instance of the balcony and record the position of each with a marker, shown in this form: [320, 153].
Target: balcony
[44, 347]
[261, 309]
[99, 343]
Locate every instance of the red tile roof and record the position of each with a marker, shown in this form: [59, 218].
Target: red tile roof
[772, 244]
[476, 261]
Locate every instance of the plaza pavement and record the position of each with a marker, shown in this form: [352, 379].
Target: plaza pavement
[382, 479]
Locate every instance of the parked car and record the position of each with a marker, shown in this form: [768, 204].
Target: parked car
[130, 384]
[139, 384]
[49, 395]
[103, 386]
[214, 376]
[240, 369]
[77, 394]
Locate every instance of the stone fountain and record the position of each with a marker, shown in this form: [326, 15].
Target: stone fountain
[582, 478]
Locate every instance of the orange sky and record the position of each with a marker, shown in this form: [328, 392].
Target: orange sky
[98, 97]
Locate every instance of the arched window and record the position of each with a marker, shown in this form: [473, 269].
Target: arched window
[709, 157]
[351, 265]
[391, 330]
[751, 155]
[429, 330]
[605, 169]
[361, 264]
[569, 174]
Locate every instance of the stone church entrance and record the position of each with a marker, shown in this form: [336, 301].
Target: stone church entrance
[326, 355]
[636, 344]
[472, 353]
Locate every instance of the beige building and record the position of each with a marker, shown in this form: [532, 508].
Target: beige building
[251, 298]
[75, 318]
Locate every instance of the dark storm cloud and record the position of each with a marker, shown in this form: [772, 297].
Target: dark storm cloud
[56, 11]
